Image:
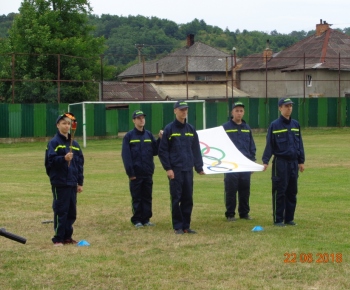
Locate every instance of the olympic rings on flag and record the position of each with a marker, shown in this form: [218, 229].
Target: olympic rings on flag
[217, 162]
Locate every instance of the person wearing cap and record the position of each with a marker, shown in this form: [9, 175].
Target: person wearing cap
[64, 163]
[179, 152]
[285, 143]
[241, 136]
[138, 148]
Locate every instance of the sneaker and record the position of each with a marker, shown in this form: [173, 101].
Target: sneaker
[149, 224]
[58, 244]
[138, 225]
[179, 232]
[291, 223]
[70, 241]
[189, 231]
[279, 224]
[247, 217]
[231, 219]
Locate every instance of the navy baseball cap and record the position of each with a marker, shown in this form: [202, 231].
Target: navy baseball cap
[237, 104]
[65, 115]
[137, 113]
[285, 101]
[180, 105]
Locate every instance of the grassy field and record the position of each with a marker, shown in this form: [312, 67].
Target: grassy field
[223, 255]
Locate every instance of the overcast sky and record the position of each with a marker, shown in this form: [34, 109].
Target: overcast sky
[262, 15]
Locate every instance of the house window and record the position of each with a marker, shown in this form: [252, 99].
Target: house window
[308, 80]
[203, 78]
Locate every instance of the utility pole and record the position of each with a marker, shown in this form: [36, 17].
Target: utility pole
[233, 66]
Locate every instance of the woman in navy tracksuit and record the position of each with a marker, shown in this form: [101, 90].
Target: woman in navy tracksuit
[65, 170]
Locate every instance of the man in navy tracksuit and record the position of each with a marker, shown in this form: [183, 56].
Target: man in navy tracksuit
[284, 141]
[241, 136]
[65, 169]
[179, 152]
[139, 147]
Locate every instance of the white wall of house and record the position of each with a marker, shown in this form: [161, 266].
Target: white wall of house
[254, 83]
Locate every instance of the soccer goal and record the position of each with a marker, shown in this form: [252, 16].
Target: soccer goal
[83, 108]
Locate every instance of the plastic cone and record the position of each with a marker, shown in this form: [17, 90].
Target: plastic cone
[257, 229]
[83, 243]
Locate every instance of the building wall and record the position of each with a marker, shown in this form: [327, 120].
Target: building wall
[324, 83]
[254, 83]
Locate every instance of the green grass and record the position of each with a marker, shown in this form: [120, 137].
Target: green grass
[221, 256]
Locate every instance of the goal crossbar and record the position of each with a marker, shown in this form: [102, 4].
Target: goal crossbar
[125, 102]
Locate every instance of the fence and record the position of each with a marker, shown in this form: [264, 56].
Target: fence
[38, 120]
[174, 76]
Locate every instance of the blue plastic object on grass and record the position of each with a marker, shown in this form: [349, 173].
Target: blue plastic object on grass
[257, 229]
[83, 243]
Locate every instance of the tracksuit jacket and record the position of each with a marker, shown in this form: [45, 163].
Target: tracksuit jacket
[284, 140]
[241, 136]
[179, 148]
[57, 167]
[138, 150]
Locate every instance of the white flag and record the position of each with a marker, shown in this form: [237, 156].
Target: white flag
[220, 155]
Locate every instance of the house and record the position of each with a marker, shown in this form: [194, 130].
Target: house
[123, 91]
[317, 66]
[196, 71]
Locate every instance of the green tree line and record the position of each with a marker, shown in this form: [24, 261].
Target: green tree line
[46, 28]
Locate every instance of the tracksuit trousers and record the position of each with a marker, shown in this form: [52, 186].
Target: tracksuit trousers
[284, 189]
[181, 193]
[237, 182]
[141, 199]
[65, 212]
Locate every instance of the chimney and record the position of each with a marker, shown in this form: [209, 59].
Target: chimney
[322, 27]
[267, 54]
[190, 40]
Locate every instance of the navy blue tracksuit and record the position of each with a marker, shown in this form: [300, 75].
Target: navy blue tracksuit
[284, 141]
[241, 136]
[179, 151]
[64, 181]
[138, 150]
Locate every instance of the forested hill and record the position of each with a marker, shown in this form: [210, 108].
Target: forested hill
[5, 24]
[161, 36]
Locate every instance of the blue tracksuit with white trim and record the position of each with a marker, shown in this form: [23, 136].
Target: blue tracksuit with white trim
[138, 150]
[284, 141]
[179, 151]
[64, 181]
[241, 136]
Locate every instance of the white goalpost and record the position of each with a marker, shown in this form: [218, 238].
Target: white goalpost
[135, 102]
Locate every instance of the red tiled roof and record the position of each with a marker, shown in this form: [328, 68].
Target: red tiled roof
[317, 52]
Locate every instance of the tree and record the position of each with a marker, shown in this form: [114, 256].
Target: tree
[346, 30]
[5, 24]
[46, 35]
